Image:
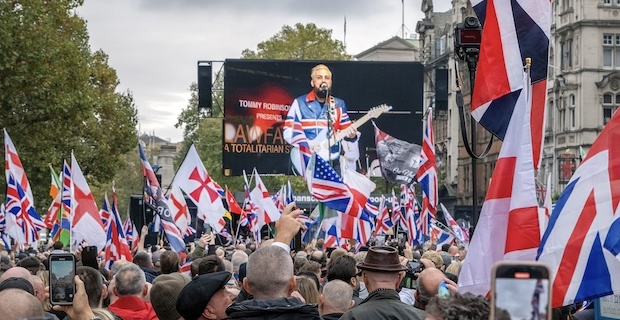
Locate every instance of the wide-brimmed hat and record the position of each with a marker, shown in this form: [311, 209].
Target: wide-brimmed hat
[382, 259]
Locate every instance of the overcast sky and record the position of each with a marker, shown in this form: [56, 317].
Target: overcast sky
[154, 45]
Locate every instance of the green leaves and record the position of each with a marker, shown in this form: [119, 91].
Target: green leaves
[56, 96]
[301, 42]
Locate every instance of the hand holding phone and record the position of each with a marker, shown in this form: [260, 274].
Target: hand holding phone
[62, 282]
[520, 289]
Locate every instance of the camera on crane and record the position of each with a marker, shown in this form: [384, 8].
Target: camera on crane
[467, 38]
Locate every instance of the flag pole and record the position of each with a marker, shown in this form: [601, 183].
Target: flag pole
[177, 171]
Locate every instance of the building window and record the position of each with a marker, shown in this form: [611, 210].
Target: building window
[611, 50]
[571, 110]
[561, 114]
[442, 44]
[569, 52]
[610, 105]
[607, 2]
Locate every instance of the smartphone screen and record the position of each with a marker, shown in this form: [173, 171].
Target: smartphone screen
[62, 283]
[521, 290]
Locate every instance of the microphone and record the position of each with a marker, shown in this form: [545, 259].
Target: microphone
[324, 87]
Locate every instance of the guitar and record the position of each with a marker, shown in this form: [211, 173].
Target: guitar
[320, 144]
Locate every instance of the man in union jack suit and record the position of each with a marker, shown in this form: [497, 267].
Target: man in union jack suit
[318, 115]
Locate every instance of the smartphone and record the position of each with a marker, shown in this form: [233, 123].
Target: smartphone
[520, 290]
[62, 283]
[208, 229]
[89, 257]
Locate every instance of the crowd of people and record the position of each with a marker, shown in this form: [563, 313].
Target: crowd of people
[265, 281]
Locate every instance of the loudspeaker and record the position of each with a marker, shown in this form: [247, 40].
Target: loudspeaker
[142, 216]
[441, 89]
[204, 85]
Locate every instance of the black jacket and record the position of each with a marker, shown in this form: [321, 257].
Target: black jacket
[383, 304]
[277, 308]
[331, 316]
[149, 274]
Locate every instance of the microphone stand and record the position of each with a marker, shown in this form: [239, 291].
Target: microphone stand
[330, 124]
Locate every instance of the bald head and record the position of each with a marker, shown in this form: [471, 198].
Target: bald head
[336, 297]
[16, 272]
[18, 304]
[428, 285]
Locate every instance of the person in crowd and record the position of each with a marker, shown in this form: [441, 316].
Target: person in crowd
[18, 304]
[334, 301]
[457, 306]
[343, 268]
[272, 290]
[359, 258]
[454, 269]
[382, 273]
[206, 246]
[427, 286]
[32, 264]
[57, 247]
[435, 257]
[308, 289]
[20, 278]
[312, 267]
[298, 263]
[319, 112]
[155, 257]
[169, 262]
[93, 284]
[239, 257]
[130, 286]
[337, 253]
[145, 263]
[211, 263]
[206, 297]
[164, 293]
[194, 267]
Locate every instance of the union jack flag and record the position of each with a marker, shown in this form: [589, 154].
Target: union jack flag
[249, 216]
[156, 198]
[2, 217]
[397, 215]
[328, 188]
[300, 141]
[332, 233]
[581, 244]
[383, 219]
[224, 233]
[186, 269]
[440, 237]
[27, 220]
[13, 165]
[116, 242]
[508, 227]
[511, 32]
[152, 190]
[461, 235]
[131, 234]
[427, 175]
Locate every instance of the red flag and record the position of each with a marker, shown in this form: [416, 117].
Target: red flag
[233, 205]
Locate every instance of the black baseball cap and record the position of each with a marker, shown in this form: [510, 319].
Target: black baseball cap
[197, 293]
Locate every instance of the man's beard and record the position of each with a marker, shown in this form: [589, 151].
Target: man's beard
[321, 94]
